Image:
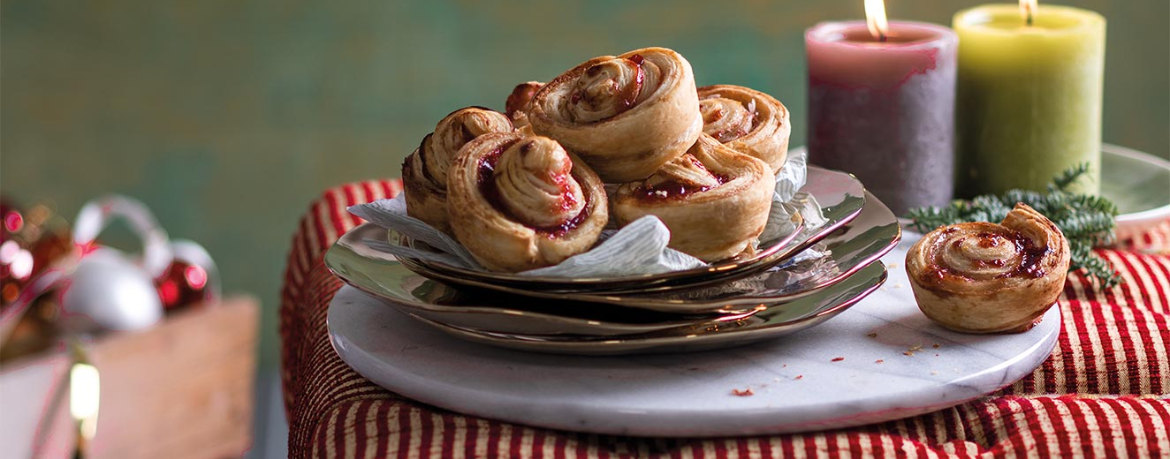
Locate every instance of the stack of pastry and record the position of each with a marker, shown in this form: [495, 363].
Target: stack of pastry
[526, 188]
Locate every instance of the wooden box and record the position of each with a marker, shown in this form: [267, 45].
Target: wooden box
[181, 389]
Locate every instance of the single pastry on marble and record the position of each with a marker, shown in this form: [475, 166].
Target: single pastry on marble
[519, 101]
[424, 173]
[714, 200]
[626, 115]
[746, 120]
[989, 278]
[520, 202]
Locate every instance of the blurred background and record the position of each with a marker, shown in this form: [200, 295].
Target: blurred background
[227, 118]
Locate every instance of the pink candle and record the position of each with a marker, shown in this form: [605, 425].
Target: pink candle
[884, 109]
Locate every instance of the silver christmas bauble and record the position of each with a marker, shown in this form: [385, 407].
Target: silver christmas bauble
[110, 292]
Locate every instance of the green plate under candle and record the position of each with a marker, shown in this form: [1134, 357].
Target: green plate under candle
[1139, 183]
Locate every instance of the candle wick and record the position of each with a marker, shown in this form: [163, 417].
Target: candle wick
[882, 37]
[1029, 19]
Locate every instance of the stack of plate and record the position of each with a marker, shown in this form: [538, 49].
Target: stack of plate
[772, 293]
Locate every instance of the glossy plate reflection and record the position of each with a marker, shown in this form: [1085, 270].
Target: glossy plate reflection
[872, 234]
[772, 322]
[1139, 183]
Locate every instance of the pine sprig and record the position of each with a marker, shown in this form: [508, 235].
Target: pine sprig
[1099, 268]
[1085, 220]
[1068, 177]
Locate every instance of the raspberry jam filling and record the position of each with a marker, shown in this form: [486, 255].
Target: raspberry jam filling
[490, 191]
[677, 189]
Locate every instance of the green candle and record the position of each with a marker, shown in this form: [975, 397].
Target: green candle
[1029, 96]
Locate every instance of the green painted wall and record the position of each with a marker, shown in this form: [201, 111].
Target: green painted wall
[227, 117]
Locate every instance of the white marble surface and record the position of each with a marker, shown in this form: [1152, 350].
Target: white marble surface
[795, 382]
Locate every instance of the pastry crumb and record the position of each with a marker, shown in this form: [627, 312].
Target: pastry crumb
[933, 372]
[909, 353]
[742, 393]
[897, 285]
[838, 359]
[798, 377]
[872, 335]
[879, 361]
[936, 355]
[915, 348]
[892, 265]
[784, 365]
[935, 345]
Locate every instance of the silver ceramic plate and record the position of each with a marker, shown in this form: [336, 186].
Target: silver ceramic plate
[841, 196]
[872, 234]
[1139, 184]
[433, 301]
[861, 242]
[411, 293]
[775, 321]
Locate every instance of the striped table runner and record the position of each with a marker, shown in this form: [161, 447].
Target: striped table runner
[1102, 393]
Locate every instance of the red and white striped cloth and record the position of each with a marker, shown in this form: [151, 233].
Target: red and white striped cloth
[1101, 394]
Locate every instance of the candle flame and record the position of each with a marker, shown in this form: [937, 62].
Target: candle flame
[1028, 10]
[875, 19]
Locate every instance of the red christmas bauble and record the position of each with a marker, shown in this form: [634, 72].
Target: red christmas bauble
[16, 262]
[183, 285]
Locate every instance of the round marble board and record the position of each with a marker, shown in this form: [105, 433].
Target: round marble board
[880, 360]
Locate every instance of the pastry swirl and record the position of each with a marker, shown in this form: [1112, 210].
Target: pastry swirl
[625, 116]
[519, 102]
[424, 173]
[714, 200]
[748, 121]
[535, 186]
[986, 277]
[521, 202]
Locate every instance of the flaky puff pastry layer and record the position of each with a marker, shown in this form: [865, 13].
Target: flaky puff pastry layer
[520, 202]
[625, 116]
[714, 200]
[424, 173]
[748, 121]
[520, 101]
[989, 278]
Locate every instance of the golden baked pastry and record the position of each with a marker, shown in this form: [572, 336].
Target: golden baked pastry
[715, 200]
[746, 120]
[988, 278]
[522, 202]
[516, 107]
[424, 173]
[625, 116]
